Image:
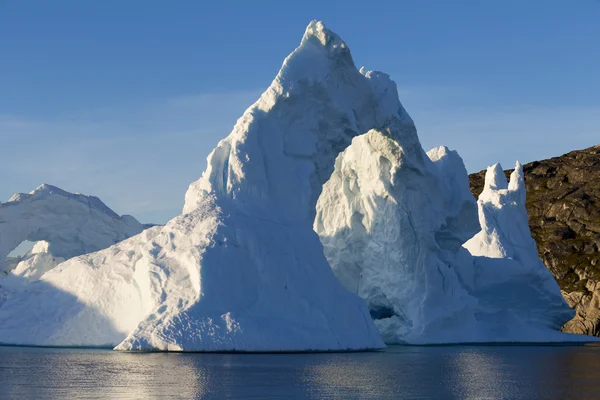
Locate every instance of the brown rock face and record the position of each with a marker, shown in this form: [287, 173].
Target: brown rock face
[563, 202]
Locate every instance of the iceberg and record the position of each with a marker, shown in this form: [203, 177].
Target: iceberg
[241, 269]
[319, 224]
[389, 231]
[61, 225]
[392, 221]
[507, 261]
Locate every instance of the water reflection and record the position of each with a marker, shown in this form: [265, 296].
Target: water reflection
[55, 373]
[454, 372]
[549, 372]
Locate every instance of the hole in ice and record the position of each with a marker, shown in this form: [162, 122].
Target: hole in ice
[381, 312]
[21, 249]
[14, 257]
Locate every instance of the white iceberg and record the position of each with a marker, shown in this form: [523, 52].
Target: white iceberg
[242, 268]
[379, 218]
[61, 225]
[392, 221]
[510, 277]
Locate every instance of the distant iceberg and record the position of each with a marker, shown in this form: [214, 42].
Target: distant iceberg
[60, 225]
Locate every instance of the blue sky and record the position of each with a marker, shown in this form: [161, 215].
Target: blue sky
[125, 99]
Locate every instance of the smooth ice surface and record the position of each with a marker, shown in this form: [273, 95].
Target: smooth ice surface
[392, 221]
[241, 269]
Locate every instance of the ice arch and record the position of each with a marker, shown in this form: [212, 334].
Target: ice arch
[392, 223]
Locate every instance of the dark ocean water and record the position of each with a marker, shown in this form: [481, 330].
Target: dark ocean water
[441, 372]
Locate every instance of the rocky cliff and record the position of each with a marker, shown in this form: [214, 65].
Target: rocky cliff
[563, 202]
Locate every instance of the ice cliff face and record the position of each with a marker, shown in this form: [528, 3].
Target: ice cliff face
[242, 268]
[65, 225]
[392, 222]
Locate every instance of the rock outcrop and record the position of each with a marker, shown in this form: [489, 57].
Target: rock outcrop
[563, 202]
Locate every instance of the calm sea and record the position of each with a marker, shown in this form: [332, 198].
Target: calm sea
[441, 372]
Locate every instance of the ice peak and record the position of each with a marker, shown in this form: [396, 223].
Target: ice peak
[437, 153]
[517, 180]
[40, 246]
[517, 184]
[495, 178]
[315, 105]
[42, 189]
[316, 31]
[45, 191]
[46, 188]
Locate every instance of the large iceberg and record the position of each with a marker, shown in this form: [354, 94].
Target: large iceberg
[392, 220]
[241, 269]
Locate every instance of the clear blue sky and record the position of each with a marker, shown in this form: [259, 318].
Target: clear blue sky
[125, 99]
